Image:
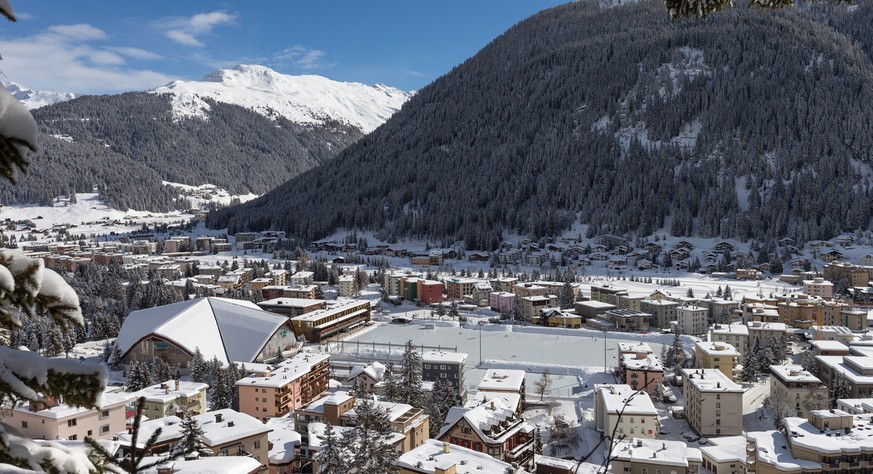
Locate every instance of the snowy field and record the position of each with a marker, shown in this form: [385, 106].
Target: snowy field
[571, 356]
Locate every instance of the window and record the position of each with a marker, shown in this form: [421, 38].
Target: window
[444, 375]
[426, 366]
[24, 424]
[717, 421]
[257, 444]
[104, 429]
[263, 390]
[90, 432]
[71, 422]
[718, 396]
[442, 367]
[104, 414]
[72, 437]
[264, 399]
[718, 405]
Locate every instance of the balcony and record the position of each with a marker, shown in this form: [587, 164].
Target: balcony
[521, 453]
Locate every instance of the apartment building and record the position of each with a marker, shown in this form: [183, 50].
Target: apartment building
[735, 334]
[292, 307]
[64, 422]
[172, 397]
[225, 432]
[338, 409]
[439, 457]
[504, 381]
[713, 403]
[618, 411]
[717, 355]
[818, 287]
[662, 311]
[446, 366]
[530, 306]
[342, 316]
[693, 320]
[792, 383]
[501, 301]
[827, 441]
[290, 385]
[858, 371]
[640, 455]
[457, 288]
[607, 293]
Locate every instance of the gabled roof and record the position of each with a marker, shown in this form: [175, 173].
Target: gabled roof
[231, 330]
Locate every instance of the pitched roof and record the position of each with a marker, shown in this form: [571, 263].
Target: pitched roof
[207, 323]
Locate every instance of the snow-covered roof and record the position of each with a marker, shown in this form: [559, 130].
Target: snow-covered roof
[654, 451]
[207, 323]
[210, 465]
[430, 456]
[772, 448]
[65, 411]
[712, 348]
[444, 357]
[317, 405]
[511, 400]
[636, 347]
[498, 380]
[219, 427]
[726, 449]
[283, 439]
[838, 363]
[739, 329]
[710, 380]
[486, 421]
[617, 397]
[829, 441]
[594, 304]
[375, 370]
[155, 393]
[830, 346]
[856, 406]
[793, 374]
[650, 362]
[286, 371]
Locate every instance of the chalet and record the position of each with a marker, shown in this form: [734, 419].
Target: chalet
[685, 244]
[831, 256]
[652, 247]
[478, 257]
[818, 245]
[644, 264]
[724, 247]
[786, 241]
[679, 254]
[845, 240]
[491, 428]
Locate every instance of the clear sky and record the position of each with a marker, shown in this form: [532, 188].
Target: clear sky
[108, 46]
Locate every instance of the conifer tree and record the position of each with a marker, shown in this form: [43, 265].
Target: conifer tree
[809, 363]
[567, 298]
[198, 366]
[331, 458]
[392, 387]
[410, 377]
[442, 398]
[138, 376]
[192, 438]
[751, 366]
[840, 388]
[368, 441]
[160, 370]
[220, 396]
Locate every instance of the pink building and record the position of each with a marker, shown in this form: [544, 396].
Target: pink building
[64, 422]
[501, 301]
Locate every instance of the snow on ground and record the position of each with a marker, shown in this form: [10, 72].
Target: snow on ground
[203, 195]
[90, 215]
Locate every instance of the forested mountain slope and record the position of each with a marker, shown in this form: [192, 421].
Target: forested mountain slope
[748, 125]
[246, 129]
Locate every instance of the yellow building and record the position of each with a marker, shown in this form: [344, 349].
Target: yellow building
[795, 385]
[170, 397]
[717, 355]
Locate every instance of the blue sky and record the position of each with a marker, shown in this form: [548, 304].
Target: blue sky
[88, 46]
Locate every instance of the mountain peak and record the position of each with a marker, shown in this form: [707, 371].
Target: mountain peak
[35, 99]
[307, 99]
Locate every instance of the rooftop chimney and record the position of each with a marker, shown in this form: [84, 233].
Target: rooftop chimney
[177, 385]
[446, 448]
[218, 418]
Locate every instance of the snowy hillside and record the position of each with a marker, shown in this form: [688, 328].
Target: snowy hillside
[301, 99]
[34, 99]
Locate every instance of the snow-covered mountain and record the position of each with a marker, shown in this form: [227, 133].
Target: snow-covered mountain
[34, 99]
[301, 99]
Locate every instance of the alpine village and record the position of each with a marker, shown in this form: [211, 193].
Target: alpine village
[606, 236]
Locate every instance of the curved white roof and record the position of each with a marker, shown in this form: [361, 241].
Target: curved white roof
[230, 330]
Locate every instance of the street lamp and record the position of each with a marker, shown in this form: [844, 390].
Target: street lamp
[481, 323]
